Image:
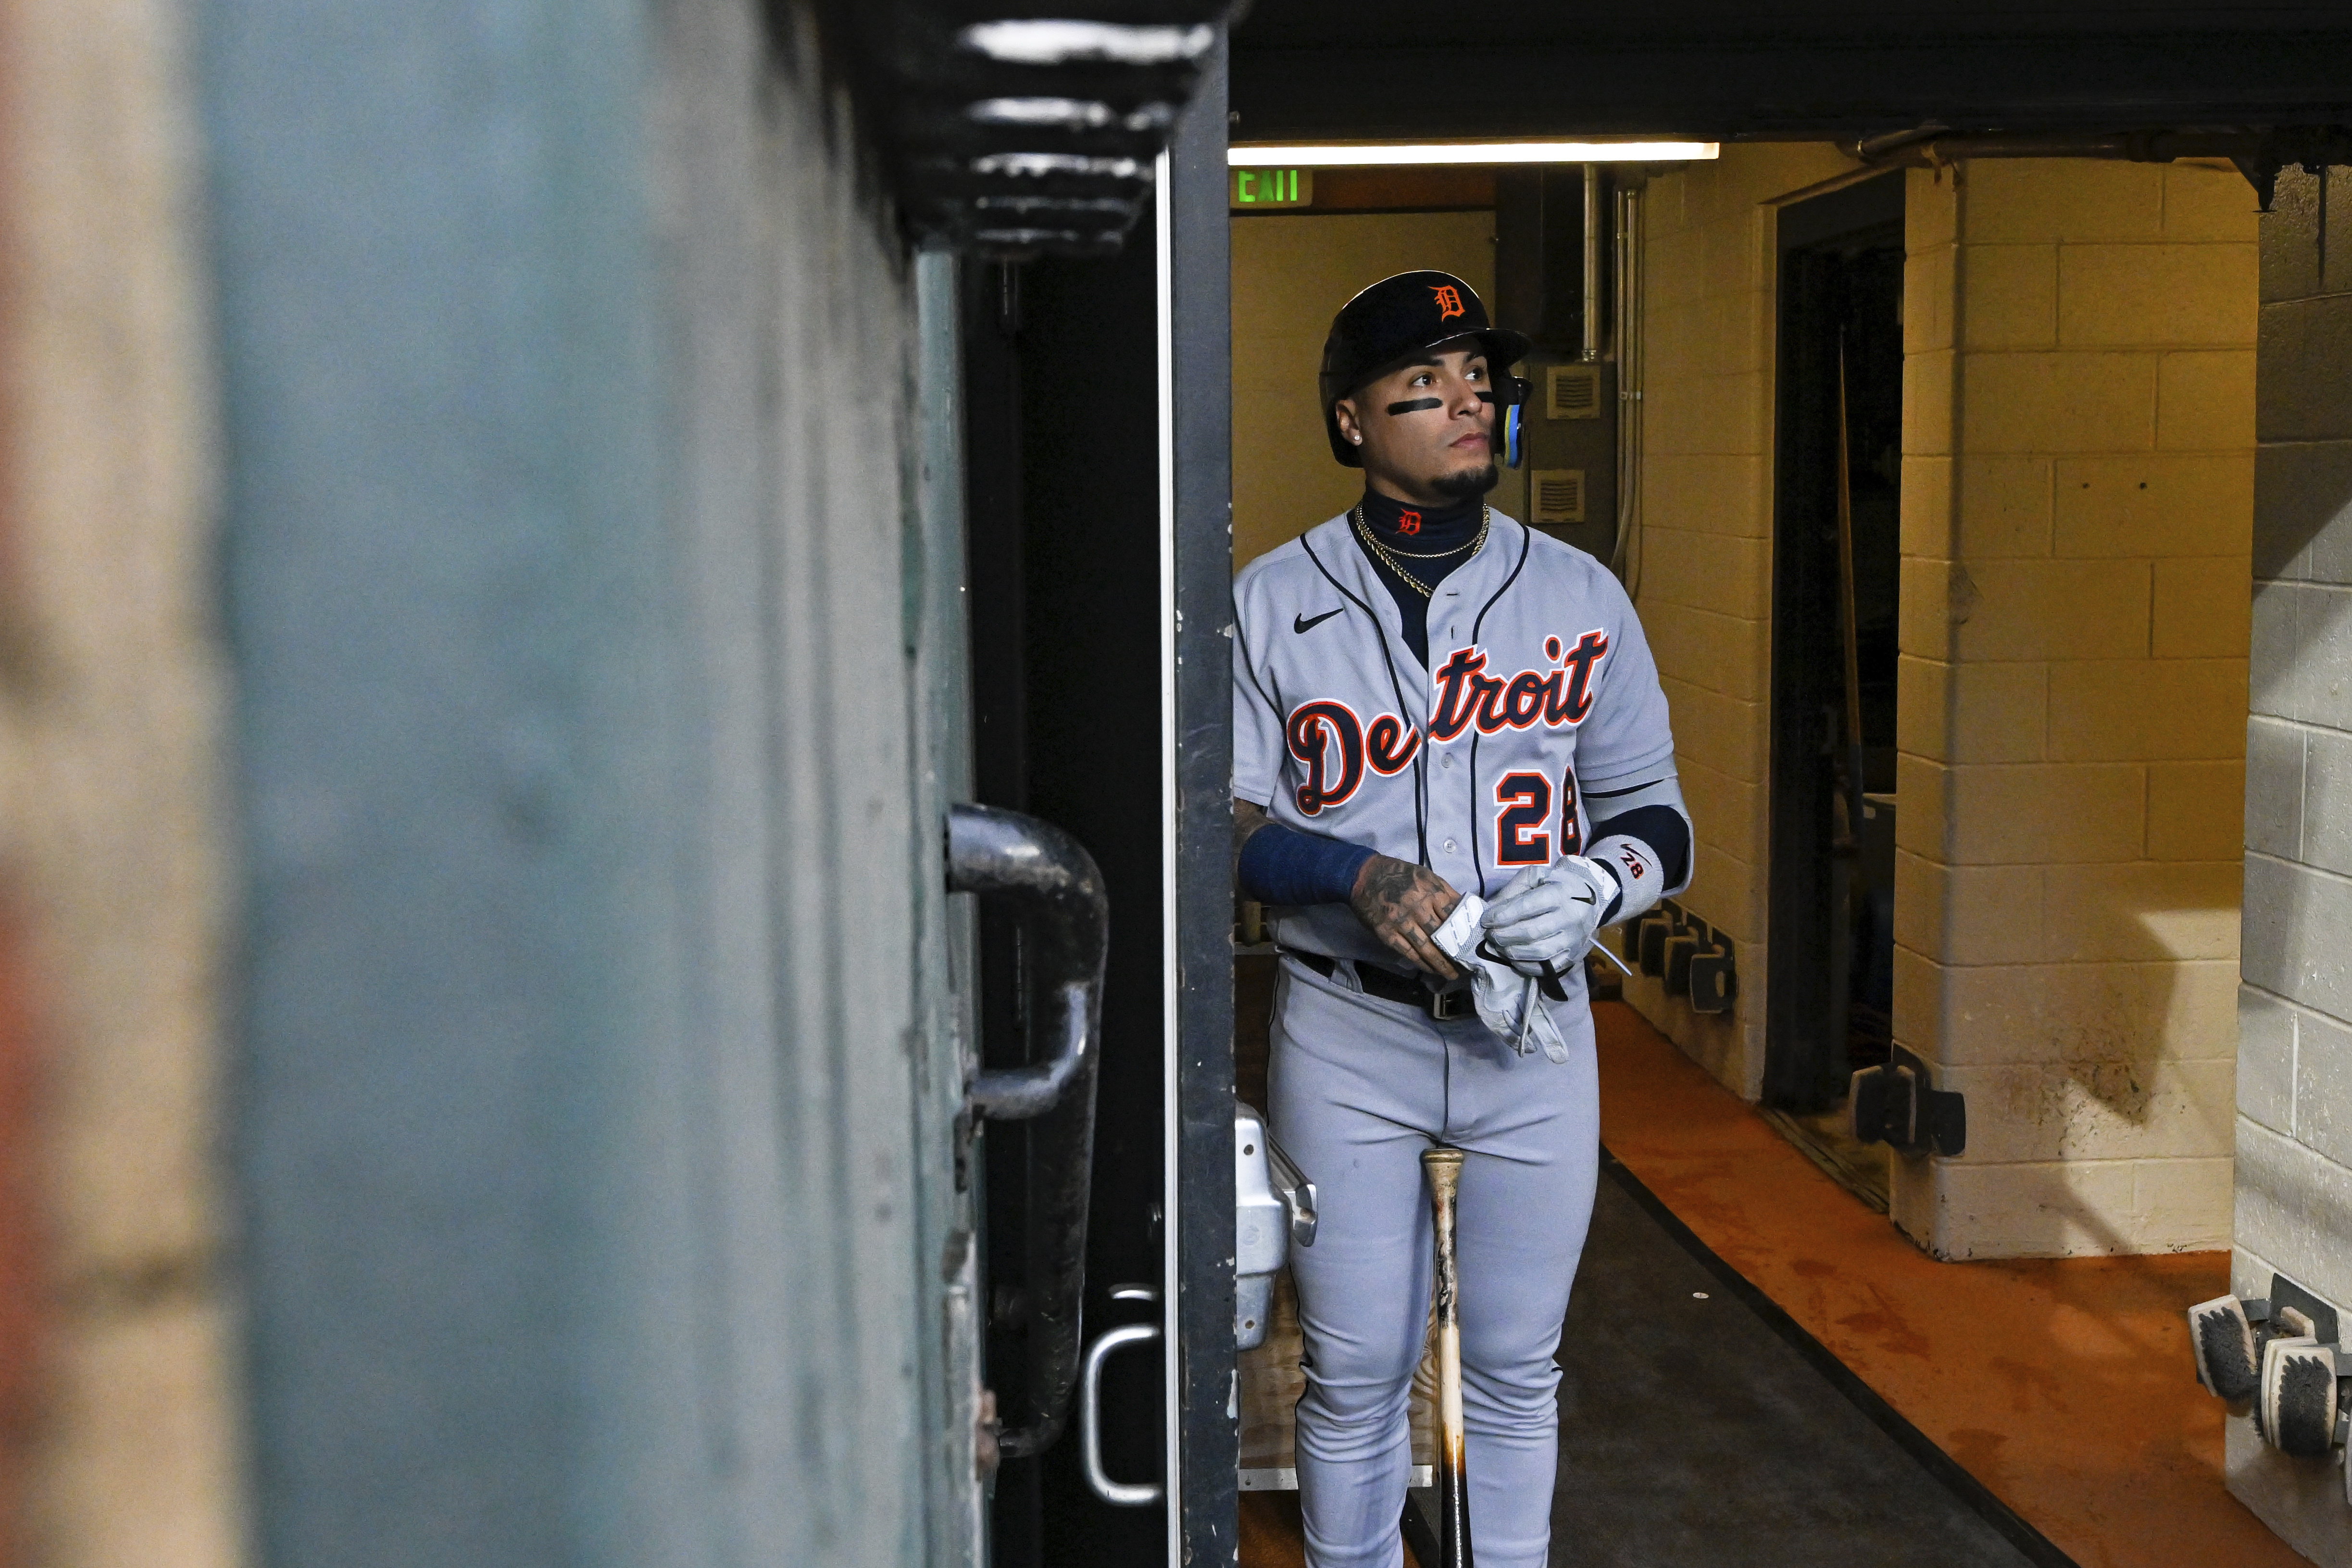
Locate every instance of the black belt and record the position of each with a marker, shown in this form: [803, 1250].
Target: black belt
[1444, 1006]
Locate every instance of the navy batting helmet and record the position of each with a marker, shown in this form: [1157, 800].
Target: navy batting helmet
[1398, 317]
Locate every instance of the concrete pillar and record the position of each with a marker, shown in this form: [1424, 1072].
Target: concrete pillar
[2077, 488]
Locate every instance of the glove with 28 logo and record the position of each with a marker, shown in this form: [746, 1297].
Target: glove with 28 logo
[1544, 921]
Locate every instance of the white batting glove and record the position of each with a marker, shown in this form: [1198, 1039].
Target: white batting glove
[1635, 867]
[1547, 916]
[1509, 1003]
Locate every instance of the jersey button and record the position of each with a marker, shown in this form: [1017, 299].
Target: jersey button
[1446, 761]
[1451, 847]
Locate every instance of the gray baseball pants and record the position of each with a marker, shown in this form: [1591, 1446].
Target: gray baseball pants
[1360, 1087]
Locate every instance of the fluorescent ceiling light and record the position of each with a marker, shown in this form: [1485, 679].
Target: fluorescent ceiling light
[1055, 43]
[1309, 155]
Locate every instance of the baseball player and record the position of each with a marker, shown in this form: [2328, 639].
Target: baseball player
[1432, 701]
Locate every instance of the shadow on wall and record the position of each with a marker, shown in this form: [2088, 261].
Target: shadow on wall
[2092, 1021]
[2110, 1143]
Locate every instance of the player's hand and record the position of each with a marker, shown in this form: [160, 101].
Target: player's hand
[1402, 903]
[1548, 914]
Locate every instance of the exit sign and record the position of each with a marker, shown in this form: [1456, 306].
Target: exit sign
[1272, 187]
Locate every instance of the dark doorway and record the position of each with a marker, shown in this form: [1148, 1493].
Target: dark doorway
[1834, 642]
[1062, 476]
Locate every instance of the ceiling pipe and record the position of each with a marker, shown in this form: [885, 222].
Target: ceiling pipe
[1591, 354]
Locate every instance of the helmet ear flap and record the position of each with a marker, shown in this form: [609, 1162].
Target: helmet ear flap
[1515, 392]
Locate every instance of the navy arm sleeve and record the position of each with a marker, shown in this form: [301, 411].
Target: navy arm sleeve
[1281, 865]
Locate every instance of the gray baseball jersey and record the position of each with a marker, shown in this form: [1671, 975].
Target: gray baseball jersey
[1540, 693]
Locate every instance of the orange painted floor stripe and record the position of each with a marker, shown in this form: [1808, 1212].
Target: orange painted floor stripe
[2065, 1385]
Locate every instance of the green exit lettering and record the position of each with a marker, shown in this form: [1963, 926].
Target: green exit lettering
[1272, 187]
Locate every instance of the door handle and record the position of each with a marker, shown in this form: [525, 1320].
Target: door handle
[1297, 1192]
[1066, 913]
[1118, 1494]
[1061, 893]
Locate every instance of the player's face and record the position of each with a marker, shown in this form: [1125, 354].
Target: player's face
[1426, 435]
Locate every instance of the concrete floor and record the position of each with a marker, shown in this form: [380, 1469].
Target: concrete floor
[2063, 1385]
[1694, 1431]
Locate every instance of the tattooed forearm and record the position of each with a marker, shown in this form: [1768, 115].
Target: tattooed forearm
[1398, 902]
[1402, 903]
[1247, 819]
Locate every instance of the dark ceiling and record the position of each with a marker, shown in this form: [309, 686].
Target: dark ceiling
[1721, 69]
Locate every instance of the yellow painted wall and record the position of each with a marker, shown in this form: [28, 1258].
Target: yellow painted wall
[2078, 497]
[1705, 592]
[1290, 276]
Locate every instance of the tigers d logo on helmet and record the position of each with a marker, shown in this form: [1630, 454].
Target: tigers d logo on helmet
[1401, 316]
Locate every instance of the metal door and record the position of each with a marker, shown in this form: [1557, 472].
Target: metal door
[590, 553]
[1100, 568]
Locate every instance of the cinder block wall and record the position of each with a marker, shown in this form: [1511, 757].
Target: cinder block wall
[1705, 585]
[2078, 484]
[2295, 1074]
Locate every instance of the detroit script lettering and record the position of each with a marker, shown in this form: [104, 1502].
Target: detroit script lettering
[1334, 746]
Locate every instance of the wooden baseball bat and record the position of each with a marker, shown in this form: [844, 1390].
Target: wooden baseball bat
[1443, 1168]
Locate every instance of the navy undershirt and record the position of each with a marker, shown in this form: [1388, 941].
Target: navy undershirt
[1450, 528]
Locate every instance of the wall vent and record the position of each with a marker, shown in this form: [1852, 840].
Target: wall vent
[1572, 392]
[1559, 495]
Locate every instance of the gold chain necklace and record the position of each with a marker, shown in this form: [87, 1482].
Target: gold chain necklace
[1487, 518]
[1390, 558]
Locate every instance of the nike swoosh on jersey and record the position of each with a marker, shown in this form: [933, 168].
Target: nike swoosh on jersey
[1302, 624]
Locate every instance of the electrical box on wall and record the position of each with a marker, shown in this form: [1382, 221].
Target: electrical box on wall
[1539, 254]
[1572, 392]
[1559, 495]
[1555, 253]
[1569, 487]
